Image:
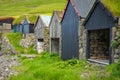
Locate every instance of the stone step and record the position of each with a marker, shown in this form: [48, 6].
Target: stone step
[99, 62]
[29, 55]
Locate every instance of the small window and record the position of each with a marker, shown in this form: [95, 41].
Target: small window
[40, 40]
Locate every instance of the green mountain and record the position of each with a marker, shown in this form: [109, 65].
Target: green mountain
[31, 8]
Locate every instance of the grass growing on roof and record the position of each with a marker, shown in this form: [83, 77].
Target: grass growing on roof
[113, 6]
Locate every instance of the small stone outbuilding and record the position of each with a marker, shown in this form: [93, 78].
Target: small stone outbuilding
[55, 32]
[101, 27]
[24, 27]
[41, 29]
[75, 11]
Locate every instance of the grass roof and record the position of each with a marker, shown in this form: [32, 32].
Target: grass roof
[113, 6]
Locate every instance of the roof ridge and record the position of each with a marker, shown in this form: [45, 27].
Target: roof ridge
[76, 10]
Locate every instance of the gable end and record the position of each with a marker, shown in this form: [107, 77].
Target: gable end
[103, 11]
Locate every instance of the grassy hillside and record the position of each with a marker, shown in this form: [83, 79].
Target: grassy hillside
[32, 8]
[23, 7]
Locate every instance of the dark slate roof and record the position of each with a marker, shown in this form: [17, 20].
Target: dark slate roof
[92, 10]
[82, 7]
[6, 20]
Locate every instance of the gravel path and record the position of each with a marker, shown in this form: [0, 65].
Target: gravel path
[6, 64]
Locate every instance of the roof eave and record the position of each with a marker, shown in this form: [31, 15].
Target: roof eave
[52, 18]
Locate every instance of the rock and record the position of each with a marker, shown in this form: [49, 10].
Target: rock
[117, 33]
[1, 78]
[29, 55]
[85, 75]
[28, 41]
[116, 57]
[117, 51]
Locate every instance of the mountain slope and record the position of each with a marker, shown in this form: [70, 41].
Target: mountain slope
[22, 7]
[32, 8]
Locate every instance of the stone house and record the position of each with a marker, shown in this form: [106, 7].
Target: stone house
[100, 27]
[41, 29]
[27, 26]
[75, 11]
[24, 27]
[55, 32]
[6, 28]
[6, 24]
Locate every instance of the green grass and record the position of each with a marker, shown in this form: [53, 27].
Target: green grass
[14, 39]
[50, 67]
[113, 6]
[18, 8]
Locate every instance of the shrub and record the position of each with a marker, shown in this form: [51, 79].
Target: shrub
[114, 44]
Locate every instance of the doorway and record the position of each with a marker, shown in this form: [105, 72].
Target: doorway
[55, 45]
[40, 45]
[99, 42]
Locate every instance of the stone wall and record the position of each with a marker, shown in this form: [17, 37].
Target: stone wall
[46, 39]
[115, 33]
[82, 40]
[6, 28]
[28, 40]
[7, 48]
[6, 66]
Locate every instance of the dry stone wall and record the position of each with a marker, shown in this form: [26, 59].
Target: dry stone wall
[115, 33]
[6, 66]
[46, 39]
[7, 62]
[7, 48]
[28, 40]
[82, 40]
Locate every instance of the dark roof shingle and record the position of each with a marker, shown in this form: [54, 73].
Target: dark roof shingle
[83, 6]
